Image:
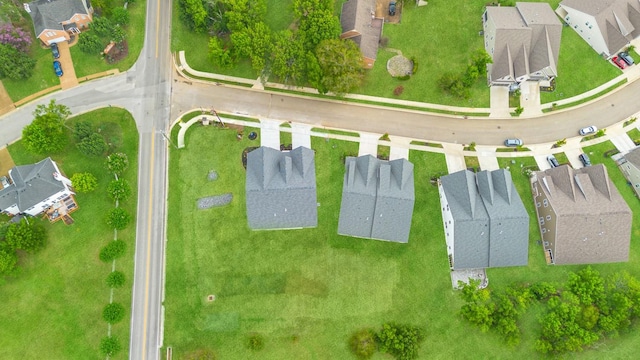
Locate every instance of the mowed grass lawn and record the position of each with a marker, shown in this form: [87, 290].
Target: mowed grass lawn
[307, 290]
[53, 306]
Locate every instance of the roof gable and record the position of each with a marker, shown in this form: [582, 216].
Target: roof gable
[32, 184]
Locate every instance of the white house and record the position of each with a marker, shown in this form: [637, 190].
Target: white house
[607, 26]
[37, 188]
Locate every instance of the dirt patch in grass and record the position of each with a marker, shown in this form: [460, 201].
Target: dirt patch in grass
[6, 162]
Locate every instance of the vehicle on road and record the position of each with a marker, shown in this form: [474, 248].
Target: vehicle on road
[55, 51]
[588, 130]
[584, 158]
[392, 8]
[57, 68]
[626, 57]
[619, 62]
[513, 142]
[553, 161]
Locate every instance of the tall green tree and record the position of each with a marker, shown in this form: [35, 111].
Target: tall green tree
[8, 261]
[341, 64]
[194, 14]
[27, 235]
[84, 182]
[15, 64]
[319, 25]
[117, 163]
[288, 61]
[46, 134]
[255, 43]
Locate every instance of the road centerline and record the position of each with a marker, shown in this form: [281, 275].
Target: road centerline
[148, 260]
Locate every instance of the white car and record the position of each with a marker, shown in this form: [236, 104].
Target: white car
[588, 130]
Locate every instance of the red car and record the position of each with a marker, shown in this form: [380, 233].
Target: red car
[619, 62]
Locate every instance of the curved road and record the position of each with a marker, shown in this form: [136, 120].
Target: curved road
[147, 90]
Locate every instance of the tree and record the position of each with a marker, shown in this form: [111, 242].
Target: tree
[363, 343]
[254, 43]
[113, 313]
[82, 130]
[117, 163]
[288, 58]
[15, 64]
[15, 37]
[118, 34]
[241, 14]
[319, 25]
[113, 250]
[120, 16]
[587, 285]
[46, 133]
[90, 43]
[92, 145]
[8, 261]
[341, 64]
[102, 26]
[219, 54]
[401, 341]
[119, 190]
[110, 346]
[118, 218]
[84, 182]
[194, 14]
[115, 279]
[26, 235]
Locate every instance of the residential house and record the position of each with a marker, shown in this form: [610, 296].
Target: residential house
[281, 189]
[582, 217]
[485, 222]
[523, 42]
[377, 199]
[629, 164]
[607, 26]
[360, 25]
[38, 188]
[57, 20]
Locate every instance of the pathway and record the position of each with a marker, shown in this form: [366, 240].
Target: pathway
[270, 133]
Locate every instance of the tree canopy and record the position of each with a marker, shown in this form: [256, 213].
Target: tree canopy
[46, 133]
[27, 235]
[341, 64]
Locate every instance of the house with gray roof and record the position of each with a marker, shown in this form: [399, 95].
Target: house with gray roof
[57, 20]
[582, 217]
[607, 26]
[485, 222]
[35, 189]
[377, 199]
[629, 164]
[281, 189]
[360, 25]
[523, 42]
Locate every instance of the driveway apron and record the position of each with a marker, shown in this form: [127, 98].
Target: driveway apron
[270, 133]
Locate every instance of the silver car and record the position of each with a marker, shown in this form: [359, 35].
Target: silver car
[588, 130]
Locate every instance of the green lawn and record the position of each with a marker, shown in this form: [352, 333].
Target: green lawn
[307, 290]
[634, 134]
[53, 306]
[43, 75]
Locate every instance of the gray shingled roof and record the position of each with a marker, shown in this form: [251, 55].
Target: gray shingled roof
[281, 189]
[491, 225]
[357, 15]
[633, 157]
[618, 20]
[377, 199]
[527, 40]
[31, 185]
[49, 14]
[593, 221]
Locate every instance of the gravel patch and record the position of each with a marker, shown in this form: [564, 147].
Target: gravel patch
[213, 175]
[214, 201]
[399, 66]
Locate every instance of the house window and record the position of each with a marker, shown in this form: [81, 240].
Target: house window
[544, 230]
[545, 203]
[548, 217]
[546, 243]
[638, 185]
[575, 26]
[538, 204]
[541, 220]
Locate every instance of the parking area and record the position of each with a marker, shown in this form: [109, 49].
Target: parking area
[68, 79]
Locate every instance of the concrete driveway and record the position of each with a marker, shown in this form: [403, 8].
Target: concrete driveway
[270, 133]
[499, 101]
[68, 79]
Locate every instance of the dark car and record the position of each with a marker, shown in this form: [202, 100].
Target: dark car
[584, 158]
[57, 68]
[55, 51]
[553, 161]
[626, 57]
[619, 62]
[392, 8]
[513, 142]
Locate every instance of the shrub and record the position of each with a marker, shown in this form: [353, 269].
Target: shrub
[110, 346]
[398, 90]
[414, 61]
[15, 37]
[113, 250]
[113, 313]
[118, 218]
[519, 110]
[403, 77]
[117, 163]
[90, 44]
[115, 279]
[120, 16]
[119, 190]
[82, 130]
[363, 343]
[84, 182]
[93, 145]
[255, 342]
[401, 341]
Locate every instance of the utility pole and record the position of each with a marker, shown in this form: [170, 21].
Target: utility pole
[168, 139]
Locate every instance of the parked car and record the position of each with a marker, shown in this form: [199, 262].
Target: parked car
[57, 68]
[392, 8]
[55, 51]
[619, 62]
[513, 142]
[626, 57]
[4, 181]
[584, 158]
[588, 130]
[553, 161]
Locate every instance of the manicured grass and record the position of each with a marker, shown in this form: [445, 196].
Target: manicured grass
[562, 158]
[634, 134]
[43, 75]
[571, 80]
[53, 306]
[86, 64]
[472, 162]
